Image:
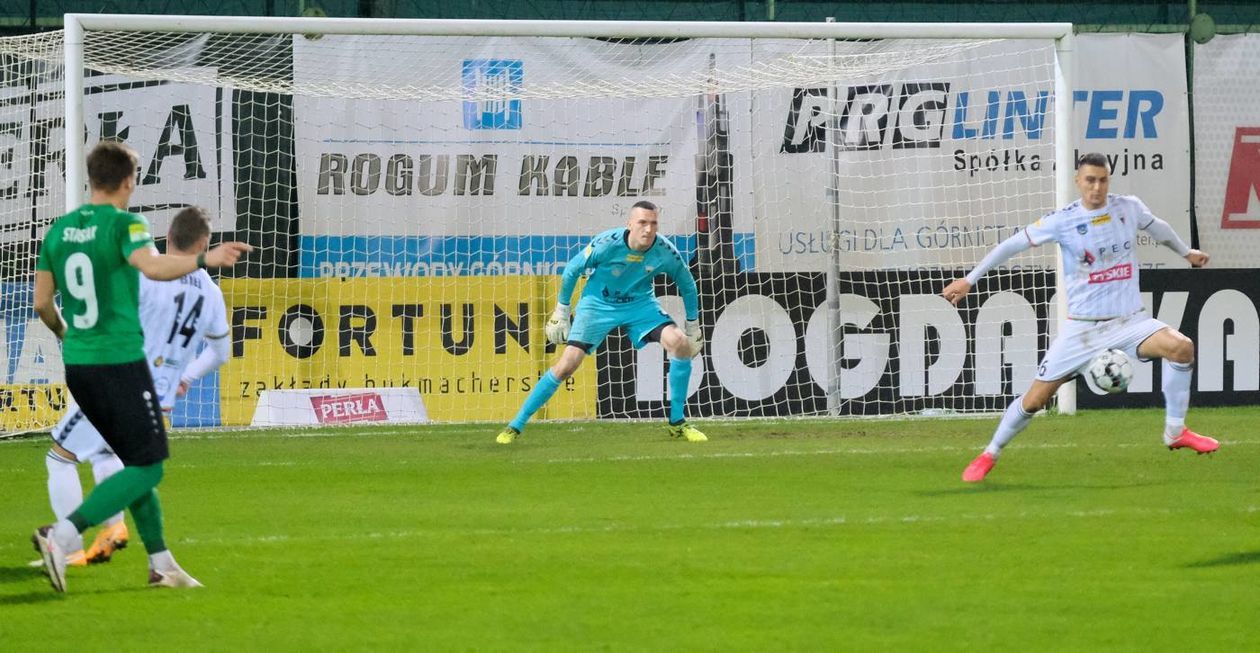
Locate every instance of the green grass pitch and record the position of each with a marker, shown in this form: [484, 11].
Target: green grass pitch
[789, 535]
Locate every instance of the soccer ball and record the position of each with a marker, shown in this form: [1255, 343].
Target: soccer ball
[1111, 371]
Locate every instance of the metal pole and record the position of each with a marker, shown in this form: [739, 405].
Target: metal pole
[76, 166]
[566, 28]
[1064, 190]
[833, 273]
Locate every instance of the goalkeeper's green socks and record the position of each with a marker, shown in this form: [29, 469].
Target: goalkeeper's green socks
[546, 386]
[679, 377]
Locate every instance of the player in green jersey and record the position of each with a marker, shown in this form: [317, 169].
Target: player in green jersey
[91, 257]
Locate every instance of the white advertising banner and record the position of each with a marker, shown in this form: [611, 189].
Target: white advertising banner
[939, 161]
[180, 131]
[438, 187]
[1131, 105]
[183, 136]
[939, 156]
[1227, 149]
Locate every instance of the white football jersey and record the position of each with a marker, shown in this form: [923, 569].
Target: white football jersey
[1099, 254]
[176, 316]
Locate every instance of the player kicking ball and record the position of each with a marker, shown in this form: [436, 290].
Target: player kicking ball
[176, 317]
[620, 265]
[1097, 236]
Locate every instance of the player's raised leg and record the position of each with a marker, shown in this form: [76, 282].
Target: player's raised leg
[1177, 370]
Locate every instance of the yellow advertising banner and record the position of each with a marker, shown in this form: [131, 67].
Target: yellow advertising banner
[29, 407]
[472, 346]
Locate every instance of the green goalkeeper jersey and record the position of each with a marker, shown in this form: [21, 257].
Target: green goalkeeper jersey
[86, 251]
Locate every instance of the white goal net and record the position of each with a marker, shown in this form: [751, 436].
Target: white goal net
[414, 197]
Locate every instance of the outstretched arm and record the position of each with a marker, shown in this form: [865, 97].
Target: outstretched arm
[164, 267]
[1164, 234]
[958, 288]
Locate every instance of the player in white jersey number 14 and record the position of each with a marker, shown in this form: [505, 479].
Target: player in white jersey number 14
[176, 316]
[1097, 236]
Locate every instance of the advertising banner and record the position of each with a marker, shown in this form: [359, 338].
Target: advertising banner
[1220, 311]
[491, 184]
[1135, 110]
[181, 133]
[473, 348]
[770, 351]
[934, 163]
[1227, 149]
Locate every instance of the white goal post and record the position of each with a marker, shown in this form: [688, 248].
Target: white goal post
[415, 186]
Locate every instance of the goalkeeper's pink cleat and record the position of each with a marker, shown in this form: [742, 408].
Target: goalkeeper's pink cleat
[979, 468]
[1190, 439]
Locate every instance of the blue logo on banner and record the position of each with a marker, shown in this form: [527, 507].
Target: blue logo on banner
[501, 78]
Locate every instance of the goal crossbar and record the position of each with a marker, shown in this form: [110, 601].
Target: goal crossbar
[566, 28]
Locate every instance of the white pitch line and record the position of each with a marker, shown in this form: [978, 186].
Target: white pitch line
[826, 452]
[236, 435]
[737, 525]
[724, 455]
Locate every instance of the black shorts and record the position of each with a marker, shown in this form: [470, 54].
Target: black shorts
[121, 403]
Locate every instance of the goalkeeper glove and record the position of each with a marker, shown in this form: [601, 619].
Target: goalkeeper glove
[557, 328]
[695, 336]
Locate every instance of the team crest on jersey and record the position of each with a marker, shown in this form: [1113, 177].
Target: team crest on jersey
[1102, 219]
[139, 233]
[651, 268]
[617, 269]
[1082, 228]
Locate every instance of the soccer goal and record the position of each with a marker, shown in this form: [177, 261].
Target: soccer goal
[415, 187]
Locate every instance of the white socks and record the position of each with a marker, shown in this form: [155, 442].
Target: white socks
[1013, 421]
[162, 561]
[105, 465]
[67, 536]
[1176, 386]
[65, 493]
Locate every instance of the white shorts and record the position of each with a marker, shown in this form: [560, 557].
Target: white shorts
[77, 435]
[1080, 340]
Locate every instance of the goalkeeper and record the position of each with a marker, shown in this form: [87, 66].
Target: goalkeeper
[619, 265]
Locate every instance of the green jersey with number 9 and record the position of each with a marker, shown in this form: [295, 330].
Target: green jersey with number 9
[86, 251]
